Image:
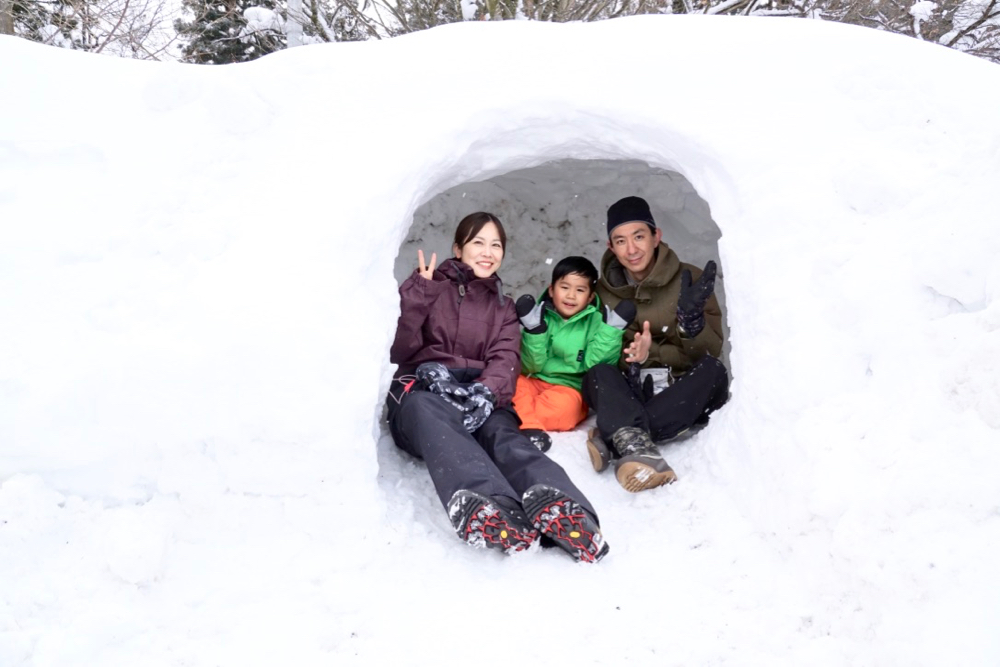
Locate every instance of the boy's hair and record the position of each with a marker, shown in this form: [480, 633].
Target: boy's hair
[581, 266]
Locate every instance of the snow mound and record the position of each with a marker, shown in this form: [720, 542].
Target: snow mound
[199, 297]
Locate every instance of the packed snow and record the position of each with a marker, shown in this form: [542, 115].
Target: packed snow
[198, 296]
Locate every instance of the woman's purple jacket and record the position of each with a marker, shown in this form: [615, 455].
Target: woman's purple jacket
[460, 321]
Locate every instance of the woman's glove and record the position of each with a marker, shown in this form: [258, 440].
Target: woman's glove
[435, 378]
[475, 401]
[479, 406]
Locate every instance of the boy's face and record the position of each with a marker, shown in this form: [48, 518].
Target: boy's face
[570, 294]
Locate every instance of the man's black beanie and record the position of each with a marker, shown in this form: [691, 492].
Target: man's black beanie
[629, 209]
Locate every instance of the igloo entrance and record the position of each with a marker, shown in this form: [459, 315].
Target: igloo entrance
[559, 208]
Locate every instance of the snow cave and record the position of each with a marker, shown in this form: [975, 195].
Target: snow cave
[559, 208]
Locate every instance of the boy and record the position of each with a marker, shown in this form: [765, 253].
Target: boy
[565, 334]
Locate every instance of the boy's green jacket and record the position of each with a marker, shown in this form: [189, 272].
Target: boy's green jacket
[569, 348]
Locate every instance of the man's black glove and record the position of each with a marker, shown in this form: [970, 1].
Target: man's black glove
[622, 315]
[642, 390]
[479, 406]
[531, 314]
[692, 300]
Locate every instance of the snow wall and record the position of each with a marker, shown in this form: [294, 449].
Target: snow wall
[198, 310]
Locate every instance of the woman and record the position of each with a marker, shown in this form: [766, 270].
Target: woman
[457, 346]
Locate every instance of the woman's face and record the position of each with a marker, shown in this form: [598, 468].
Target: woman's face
[483, 252]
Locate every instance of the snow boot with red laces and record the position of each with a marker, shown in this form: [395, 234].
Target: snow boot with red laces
[486, 522]
[565, 522]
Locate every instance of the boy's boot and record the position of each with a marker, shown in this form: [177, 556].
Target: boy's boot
[565, 522]
[640, 467]
[538, 438]
[486, 522]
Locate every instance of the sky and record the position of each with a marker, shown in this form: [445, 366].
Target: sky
[198, 297]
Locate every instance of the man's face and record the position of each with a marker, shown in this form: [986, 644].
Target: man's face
[634, 244]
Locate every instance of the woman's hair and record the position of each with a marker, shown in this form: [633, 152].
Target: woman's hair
[473, 223]
[581, 266]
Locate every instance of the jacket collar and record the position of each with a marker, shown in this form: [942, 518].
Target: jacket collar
[462, 274]
[595, 305]
[665, 267]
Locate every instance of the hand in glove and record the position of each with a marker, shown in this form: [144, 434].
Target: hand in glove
[531, 314]
[622, 315]
[642, 390]
[436, 379]
[479, 406]
[692, 300]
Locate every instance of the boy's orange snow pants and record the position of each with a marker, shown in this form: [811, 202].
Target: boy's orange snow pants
[550, 407]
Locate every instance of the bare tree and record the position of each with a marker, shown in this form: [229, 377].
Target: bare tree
[6, 17]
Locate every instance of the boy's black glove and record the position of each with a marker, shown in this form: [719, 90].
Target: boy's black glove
[622, 315]
[531, 314]
[692, 300]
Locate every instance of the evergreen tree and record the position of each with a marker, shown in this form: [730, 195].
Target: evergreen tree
[219, 33]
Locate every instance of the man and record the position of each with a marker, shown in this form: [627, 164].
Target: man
[669, 377]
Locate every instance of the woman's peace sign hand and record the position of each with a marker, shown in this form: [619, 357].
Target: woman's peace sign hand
[426, 270]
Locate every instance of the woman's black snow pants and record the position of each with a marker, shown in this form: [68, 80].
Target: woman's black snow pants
[689, 400]
[496, 460]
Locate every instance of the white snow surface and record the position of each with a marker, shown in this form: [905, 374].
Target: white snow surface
[197, 298]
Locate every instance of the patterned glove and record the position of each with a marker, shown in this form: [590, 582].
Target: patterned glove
[622, 315]
[479, 406]
[438, 380]
[692, 300]
[531, 314]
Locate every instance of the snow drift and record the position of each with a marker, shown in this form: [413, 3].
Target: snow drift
[198, 297]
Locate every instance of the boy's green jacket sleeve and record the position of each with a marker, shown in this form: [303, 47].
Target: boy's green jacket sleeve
[604, 345]
[534, 349]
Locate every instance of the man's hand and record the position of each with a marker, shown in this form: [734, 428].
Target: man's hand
[692, 300]
[426, 270]
[638, 351]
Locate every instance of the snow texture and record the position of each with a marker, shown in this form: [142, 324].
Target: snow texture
[193, 469]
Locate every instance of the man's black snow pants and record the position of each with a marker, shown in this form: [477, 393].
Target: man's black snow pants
[496, 460]
[689, 400]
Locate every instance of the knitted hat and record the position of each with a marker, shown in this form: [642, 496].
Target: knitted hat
[629, 209]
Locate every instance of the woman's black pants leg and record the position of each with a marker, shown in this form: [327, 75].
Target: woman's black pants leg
[497, 460]
[424, 425]
[521, 463]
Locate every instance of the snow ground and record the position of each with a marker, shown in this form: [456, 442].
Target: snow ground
[196, 277]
